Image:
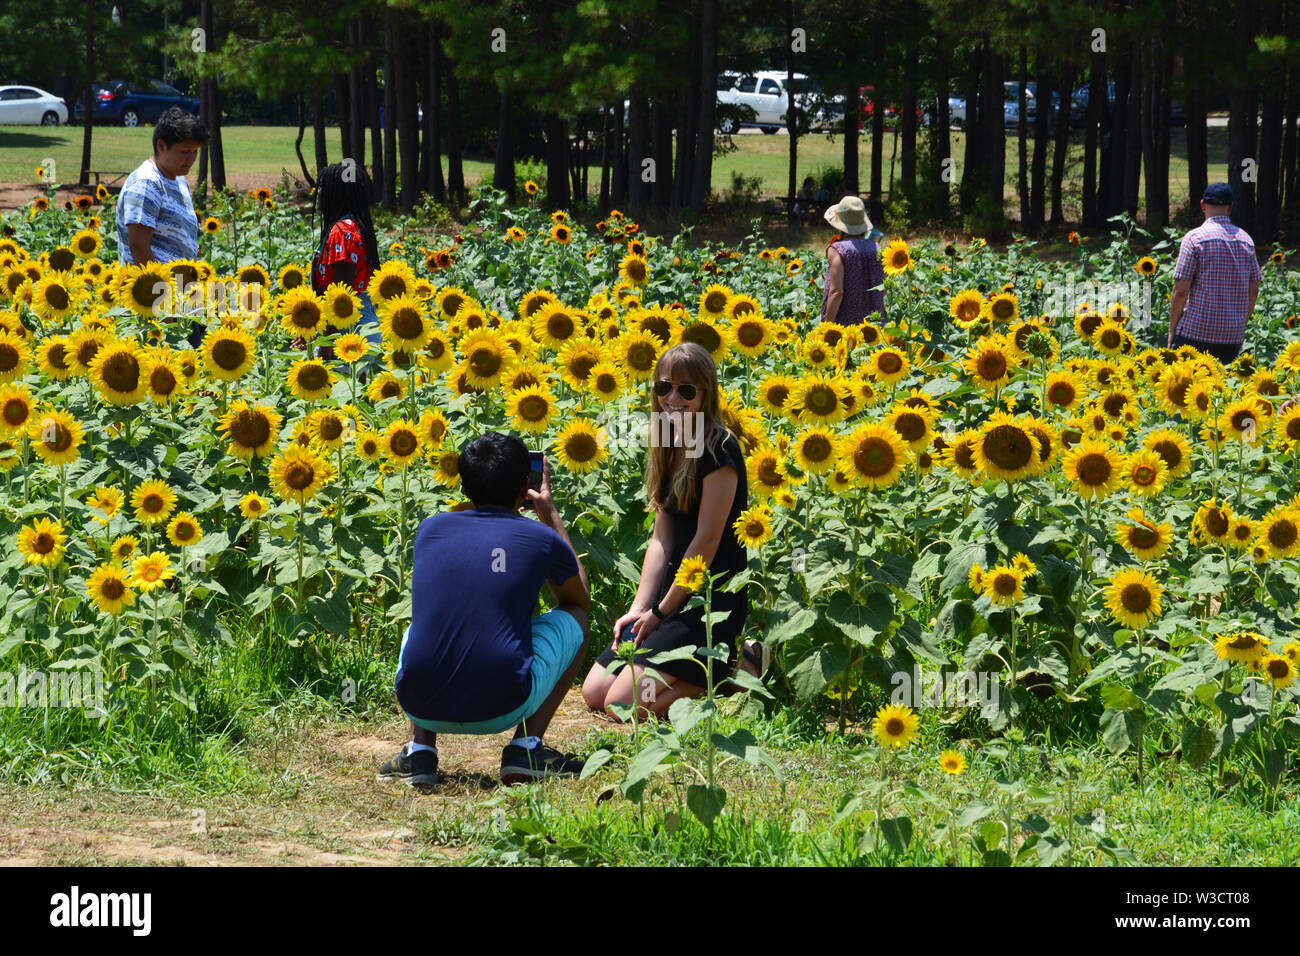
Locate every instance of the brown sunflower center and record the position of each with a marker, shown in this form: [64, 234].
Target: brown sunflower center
[162, 381]
[894, 727]
[777, 394]
[1216, 522]
[1109, 338]
[1114, 403]
[606, 384]
[305, 315]
[640, 356]
[910, 426]
[403, 443]
[87, 351]
[821, 400]
[121, 372]
[715, 301]
[1170, 452]
[817, 448]
[229, 354]
[250, 428]
[991, 366]
[581, 446]
[1144, 475]
[392, 286]
[1135, 598]
[963, 455]
[299, 475]
[703, 334]
[43, 543]
[390, 388]
[9, 357]
[1282, 533]
[407, 324]
[749, 334]
[533, 408]
[1143, 537]
[1088, 324]
[1243, 419]
[330, 427]
[1002, 309]
[1278, 668]
[153, 503]
[146, 290]
[313, 378]
[15, 412]
[874, 457]
[1008, 447]
[559, 325]
[485, 362]
[342, 307]
[580, 365]
[1005, 584]
[57, 296]
[1094, 470]
[889, 363]
[111, 588]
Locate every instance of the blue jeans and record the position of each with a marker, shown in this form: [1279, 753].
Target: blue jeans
[1225, 352]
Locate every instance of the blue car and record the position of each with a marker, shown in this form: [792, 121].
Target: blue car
[134, 104]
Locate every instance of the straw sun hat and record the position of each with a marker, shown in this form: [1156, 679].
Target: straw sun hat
[849, 216]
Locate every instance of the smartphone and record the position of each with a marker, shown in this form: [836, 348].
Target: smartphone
[535, 470]
[627, 634]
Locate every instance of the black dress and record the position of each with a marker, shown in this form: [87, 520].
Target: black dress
[685, 626]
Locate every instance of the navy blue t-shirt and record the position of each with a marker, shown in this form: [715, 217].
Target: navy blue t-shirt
[476, 576]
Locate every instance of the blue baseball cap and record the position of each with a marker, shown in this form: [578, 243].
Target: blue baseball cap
[1218, 194]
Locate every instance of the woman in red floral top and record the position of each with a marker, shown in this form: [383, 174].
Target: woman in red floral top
[348, 251]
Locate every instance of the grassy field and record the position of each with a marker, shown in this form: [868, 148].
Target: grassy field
[260, 154]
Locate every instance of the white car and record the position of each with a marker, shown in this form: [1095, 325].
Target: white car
[29, 106]
[764, 93]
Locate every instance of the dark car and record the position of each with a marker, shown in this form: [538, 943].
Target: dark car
[134, 103]
[1079, 107]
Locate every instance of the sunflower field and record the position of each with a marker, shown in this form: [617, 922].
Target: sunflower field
[1009, 474]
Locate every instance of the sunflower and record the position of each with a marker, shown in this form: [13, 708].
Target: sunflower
[1278, 670]
[487, 358]
[384, 386]
[896, 257]
[1173, 447]
[1145, 472]
[153, 501]
[990, 363]
[1133, 597]
[887, 365]
[913, 426]
[302, 313]
[693, 574]
[815, 450]
[531, 408]
[713, 301]
[1005, 448]
[55, 437]
[83, 345]
[351, 348]
[446, 466]
[1144, 539]
[712, 338]
[162, 377]
[183, 530]
[531, 187]
[895, 725]
[400, 442]
[368, 446]
[14, 357]
[392, 279]
[228, 353]
[141, 287]
[42, 542]
[150, 571]
[576, 360]
[873, 455]
[1241, 421]
[56, 294]
[634, 270]
[107, 589]
[1279, 531]
[252, 506]
[298, 474]
[251, 429]
[580, 447]
[606, 381]
[1241, 647]
[816, 400]
[951, 762]
[1212, 522]
[740, 305]
[340, 305]
[16, 403]
[1003, 307]
[451, 301]
[212, 225]
[754, 526]
[966, 308]
[328, 428]
[1093, 469]
[403, 324]
[638, 352]
[1146, 266]
[1004, 584]
[309, 379]
[534, 300]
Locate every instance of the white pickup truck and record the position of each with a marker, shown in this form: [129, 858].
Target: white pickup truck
[764, 93]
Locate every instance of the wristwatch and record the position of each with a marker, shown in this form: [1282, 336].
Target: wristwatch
[656, 612]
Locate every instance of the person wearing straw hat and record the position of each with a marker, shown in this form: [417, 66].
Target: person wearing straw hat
[855, 276]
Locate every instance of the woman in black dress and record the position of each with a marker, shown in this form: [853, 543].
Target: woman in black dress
[697, 489]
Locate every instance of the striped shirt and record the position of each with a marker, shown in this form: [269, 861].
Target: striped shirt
[149, 198]
[1219, 258]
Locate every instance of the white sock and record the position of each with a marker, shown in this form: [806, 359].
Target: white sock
[528, 743]
[413, 747]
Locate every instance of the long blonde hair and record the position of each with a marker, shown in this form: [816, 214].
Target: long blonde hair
[697, 363]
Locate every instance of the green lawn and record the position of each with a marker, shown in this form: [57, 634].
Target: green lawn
[262, 152]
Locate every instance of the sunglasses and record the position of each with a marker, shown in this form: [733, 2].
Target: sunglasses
[686, 390]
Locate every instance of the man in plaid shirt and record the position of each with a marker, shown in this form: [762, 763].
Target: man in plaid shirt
[1216, 281]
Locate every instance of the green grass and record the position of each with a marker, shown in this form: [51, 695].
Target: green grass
[266, 151]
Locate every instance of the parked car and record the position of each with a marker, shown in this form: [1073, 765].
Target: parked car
[1011, 103]
[764, 93]
[134, 104]
[866, 96]
[1079, 106]
[30, 106]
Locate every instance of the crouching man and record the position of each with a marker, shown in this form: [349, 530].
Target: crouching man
[475, 660]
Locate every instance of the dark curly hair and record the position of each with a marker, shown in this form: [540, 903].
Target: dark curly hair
[177, 126]
[343, 192]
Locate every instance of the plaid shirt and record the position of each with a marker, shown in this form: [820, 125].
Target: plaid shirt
[1220, 260]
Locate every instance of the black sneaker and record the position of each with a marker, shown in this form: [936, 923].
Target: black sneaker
[419, 769]
[520, 765]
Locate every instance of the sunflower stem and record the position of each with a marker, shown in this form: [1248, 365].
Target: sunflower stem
[302, 517]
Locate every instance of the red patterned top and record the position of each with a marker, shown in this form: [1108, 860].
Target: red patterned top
[344, 244]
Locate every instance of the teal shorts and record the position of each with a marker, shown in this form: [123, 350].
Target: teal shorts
[557, 638]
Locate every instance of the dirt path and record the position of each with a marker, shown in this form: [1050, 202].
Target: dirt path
[325, 808]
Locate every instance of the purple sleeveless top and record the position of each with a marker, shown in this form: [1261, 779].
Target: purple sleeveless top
[862, 270]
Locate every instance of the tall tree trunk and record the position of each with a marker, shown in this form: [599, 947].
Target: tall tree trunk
[1147, 107]
[619, 197]
[1038, 171]
[557, 174]
[687, 121]
[1133, 134]
[433, 181]
[661, 150]
[1096, 101]
[455, 136]
[638, 135]
[356, 103]
[318, 128]
[503, 171]
[345, 114]
[84, 178]
[1197, 140]
[607, 152]
[1158, 193]
[908, 121]
[217, 158]
[941, 124]
[791, 116]
[390, 108]
[1242, 107]
[408, 116]
[370, 76]
[1291, 156]
[994, 136]
[1022, 134]
[297, 145]
[972, 169]
[876, 205]
[702, 174]
[1061, 145]
[1273, 84]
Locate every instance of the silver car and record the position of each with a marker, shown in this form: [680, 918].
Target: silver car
[29, 106]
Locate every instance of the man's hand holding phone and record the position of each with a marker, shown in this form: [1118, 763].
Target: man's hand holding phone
[538, 496]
